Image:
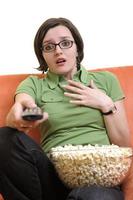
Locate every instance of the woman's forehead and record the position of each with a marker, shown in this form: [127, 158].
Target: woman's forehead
[58, 32]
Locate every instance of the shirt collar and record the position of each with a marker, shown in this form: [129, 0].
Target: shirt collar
[54, 79]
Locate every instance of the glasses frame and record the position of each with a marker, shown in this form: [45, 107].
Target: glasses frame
[57, 44]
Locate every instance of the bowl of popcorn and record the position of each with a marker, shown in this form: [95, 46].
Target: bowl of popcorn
[106, 165]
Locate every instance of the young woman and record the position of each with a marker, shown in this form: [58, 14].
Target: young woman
[80, 107]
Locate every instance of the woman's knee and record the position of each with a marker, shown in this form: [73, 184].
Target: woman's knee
[94, 193]
[6, 135]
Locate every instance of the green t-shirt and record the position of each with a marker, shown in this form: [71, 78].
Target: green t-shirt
[69, 123]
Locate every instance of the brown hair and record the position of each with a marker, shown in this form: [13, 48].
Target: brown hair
[50, 23]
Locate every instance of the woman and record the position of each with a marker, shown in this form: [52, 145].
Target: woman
[80, 107]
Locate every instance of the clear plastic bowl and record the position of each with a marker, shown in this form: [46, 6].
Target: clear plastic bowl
[106, 165]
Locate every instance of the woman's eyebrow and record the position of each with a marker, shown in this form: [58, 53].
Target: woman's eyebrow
[61, 38]
[48, 41]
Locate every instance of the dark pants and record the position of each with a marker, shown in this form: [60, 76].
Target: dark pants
[26, 173]
[96, 193]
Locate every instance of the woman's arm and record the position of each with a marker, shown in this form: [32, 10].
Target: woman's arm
[14, 118]
[117, 126]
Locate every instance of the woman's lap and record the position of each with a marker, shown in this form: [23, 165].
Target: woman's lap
[26, 173]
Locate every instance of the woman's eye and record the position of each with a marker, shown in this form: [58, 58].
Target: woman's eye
[66, 43]
[48, 47]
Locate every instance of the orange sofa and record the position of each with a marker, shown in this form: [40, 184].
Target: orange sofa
[8, 84]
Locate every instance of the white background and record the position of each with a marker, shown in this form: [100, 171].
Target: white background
[105, 25]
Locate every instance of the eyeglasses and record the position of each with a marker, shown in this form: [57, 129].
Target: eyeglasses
[64, 44]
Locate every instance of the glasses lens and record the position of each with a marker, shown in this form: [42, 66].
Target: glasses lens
[48, 47]
[65, 44]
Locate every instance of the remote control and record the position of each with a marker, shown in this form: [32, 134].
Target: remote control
[32, 114]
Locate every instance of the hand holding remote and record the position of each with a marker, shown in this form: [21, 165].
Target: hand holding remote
[32, 114]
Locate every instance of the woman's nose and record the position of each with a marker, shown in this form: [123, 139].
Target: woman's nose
[58, 49]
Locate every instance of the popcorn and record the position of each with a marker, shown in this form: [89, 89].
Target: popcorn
[105, 165]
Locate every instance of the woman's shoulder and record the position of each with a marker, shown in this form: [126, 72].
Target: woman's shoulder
[35, 78]
[98, 72]
[102, 74]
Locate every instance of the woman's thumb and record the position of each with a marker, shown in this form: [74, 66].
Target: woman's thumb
[92, 84]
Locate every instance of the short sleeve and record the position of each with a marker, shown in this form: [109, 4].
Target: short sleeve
[113, 87]
[28, 86]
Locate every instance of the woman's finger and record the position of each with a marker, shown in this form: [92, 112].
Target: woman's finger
[76, 84]
[74, 96]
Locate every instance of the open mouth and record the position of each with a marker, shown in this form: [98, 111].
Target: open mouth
[60, 61]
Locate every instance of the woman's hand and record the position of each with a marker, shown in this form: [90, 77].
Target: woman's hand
[89, 96]
[15, 120]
